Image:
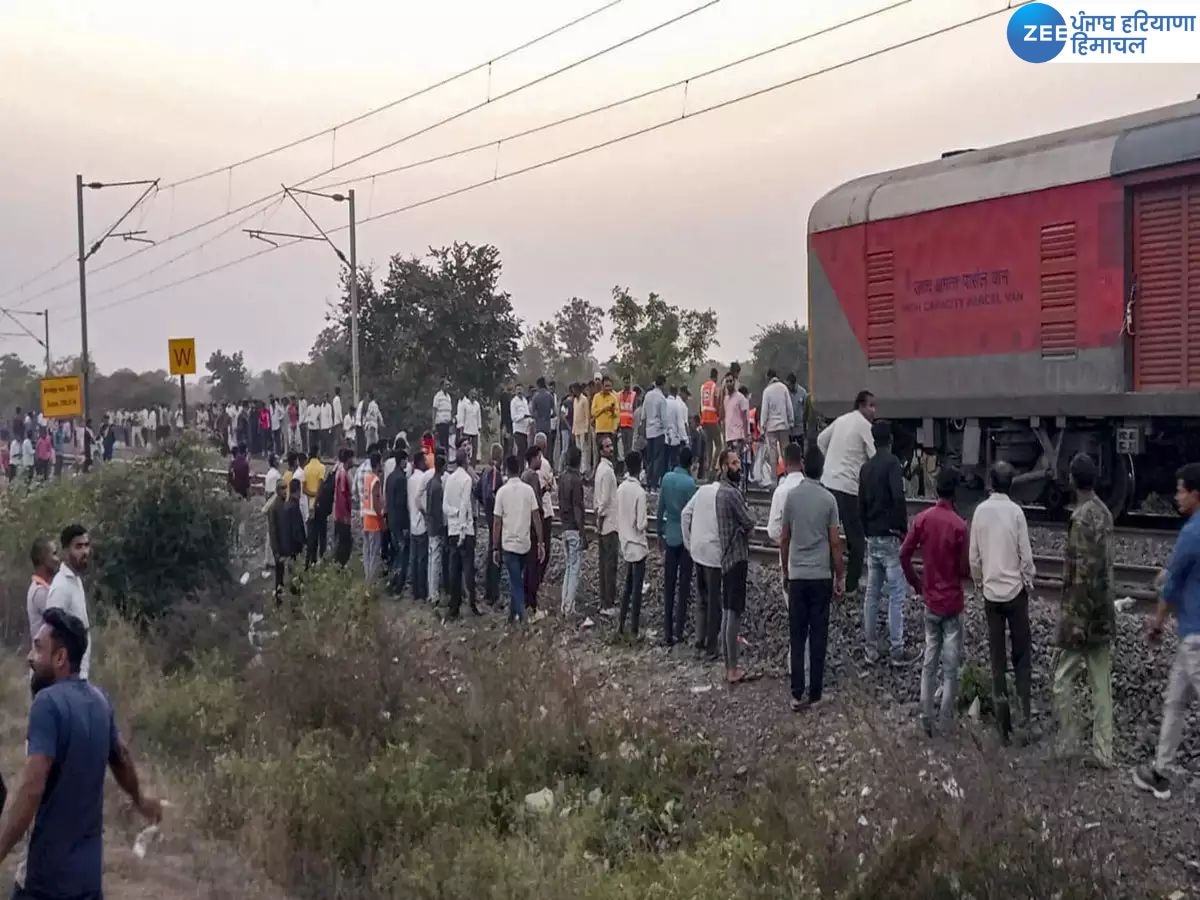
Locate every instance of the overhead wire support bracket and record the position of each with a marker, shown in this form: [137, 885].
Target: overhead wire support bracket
[336, 197]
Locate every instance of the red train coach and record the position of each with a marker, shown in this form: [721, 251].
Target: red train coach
[1027, 302]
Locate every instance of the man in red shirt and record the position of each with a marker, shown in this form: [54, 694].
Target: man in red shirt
[343, 542]
[941, 535]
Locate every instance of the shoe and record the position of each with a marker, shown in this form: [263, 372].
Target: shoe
[901, 658]
[538, 616]
[871, 655]
[1148, 779]
[927, 727]
[799, 705]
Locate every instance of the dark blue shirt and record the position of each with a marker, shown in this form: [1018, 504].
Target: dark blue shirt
[72, 723]
[1182, 589]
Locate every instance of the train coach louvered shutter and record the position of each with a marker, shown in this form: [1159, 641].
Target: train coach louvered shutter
[1057, 289]
[881, 308]
[1166, 266]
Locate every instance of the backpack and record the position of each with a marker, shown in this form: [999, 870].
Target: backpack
[325, 494]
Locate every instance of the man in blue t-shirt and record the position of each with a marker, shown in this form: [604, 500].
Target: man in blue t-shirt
[72, 740]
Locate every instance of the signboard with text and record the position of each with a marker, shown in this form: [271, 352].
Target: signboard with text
[62, 397]
[182, 355]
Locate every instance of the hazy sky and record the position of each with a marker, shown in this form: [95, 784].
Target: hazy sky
[708, 212]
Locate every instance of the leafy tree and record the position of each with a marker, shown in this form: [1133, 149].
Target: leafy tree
[577, 327]
[442, 316]
[229, 377]
[540, 353]
[18, 386]
[126, 389]
[655, 337]
[782, 346]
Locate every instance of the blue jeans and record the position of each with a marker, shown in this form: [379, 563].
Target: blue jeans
[943, 638]
[884, 570]
[514, 564]
[399, 567]
[573, 547]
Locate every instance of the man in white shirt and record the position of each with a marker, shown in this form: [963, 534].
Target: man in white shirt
[702, 537]
[373, 419]
[270, 481]
[631, 526]
[276, 414]
[28, 456]
[325, 423]
[847, 444]
[521, 421]
[313, 422]
[460, 527]
[794, 460]
[516, 513]
[606, 521]
[45, 566]
[152, 426]
[443, 417]
[298, 475]
[339, 421]
[66, 590]
[1003, 571]
[673, 436]
[775, 418]
[418, 528]
[470, 419]
[655, 406]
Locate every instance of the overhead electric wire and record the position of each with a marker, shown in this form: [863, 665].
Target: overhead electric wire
[947, 29]
[615, 104]
[258, 201]
[332, 129]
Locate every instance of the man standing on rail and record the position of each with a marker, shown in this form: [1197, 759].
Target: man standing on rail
[631, 525]
[469, 421]
[735, 526]
[373, 518]
[488, 485]
[339, 429]
[626, 401]
[847, 444]
[521, 420]
[701, 536]
[604, 412]
[799, 398]
[736, 418]
[885, 522]
[810, 553]
[1003, 571]
[395, 492]
[1087, 621]
[656, 432]
[343, 540]
[776, 420]
[710, 422]
[317, 524]
[941, 535]
[574, 536]
[419, 529]
[460, 527]
[1181, 595]
[581, 420]
[532, 476]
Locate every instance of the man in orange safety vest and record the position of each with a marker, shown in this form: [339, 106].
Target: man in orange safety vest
[710, 422]
[625, 403]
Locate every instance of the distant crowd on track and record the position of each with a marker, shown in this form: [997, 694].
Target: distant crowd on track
[413, 510]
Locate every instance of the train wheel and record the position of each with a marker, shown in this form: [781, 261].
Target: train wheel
[1120, 490]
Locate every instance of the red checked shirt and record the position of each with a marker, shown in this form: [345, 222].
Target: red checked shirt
[941, 535]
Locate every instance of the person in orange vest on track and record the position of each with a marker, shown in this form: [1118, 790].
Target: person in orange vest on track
[711, 423]
[626, 400]
[373, 518]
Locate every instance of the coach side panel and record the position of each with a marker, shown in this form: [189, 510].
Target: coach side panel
[1009, 306]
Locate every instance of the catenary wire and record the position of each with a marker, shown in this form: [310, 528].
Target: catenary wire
[259, 201]
[589, 149]
[512, 51]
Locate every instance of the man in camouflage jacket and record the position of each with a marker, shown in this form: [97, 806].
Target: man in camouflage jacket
[1087, 621]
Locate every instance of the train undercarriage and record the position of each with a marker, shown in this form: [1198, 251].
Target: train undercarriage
[1137, 458]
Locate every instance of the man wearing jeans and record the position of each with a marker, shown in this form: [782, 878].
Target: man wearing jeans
[810, 552]
[460, 529]
[570, 511]
[517, 511]
[678, 486]
[1002, 568]
[941, 535]
[1181, 594]
[885, 520]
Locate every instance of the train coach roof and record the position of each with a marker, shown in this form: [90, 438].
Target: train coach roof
[1157, 137]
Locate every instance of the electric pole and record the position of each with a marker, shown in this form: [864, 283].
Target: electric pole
[353, 300]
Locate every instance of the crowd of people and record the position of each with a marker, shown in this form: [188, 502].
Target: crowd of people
[837, 513]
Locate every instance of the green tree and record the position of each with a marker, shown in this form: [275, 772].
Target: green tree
[228, 374]
[655, 337]
[540, 354]
[18, 386]
[782, 346]
[442, 316]
[577, 327]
